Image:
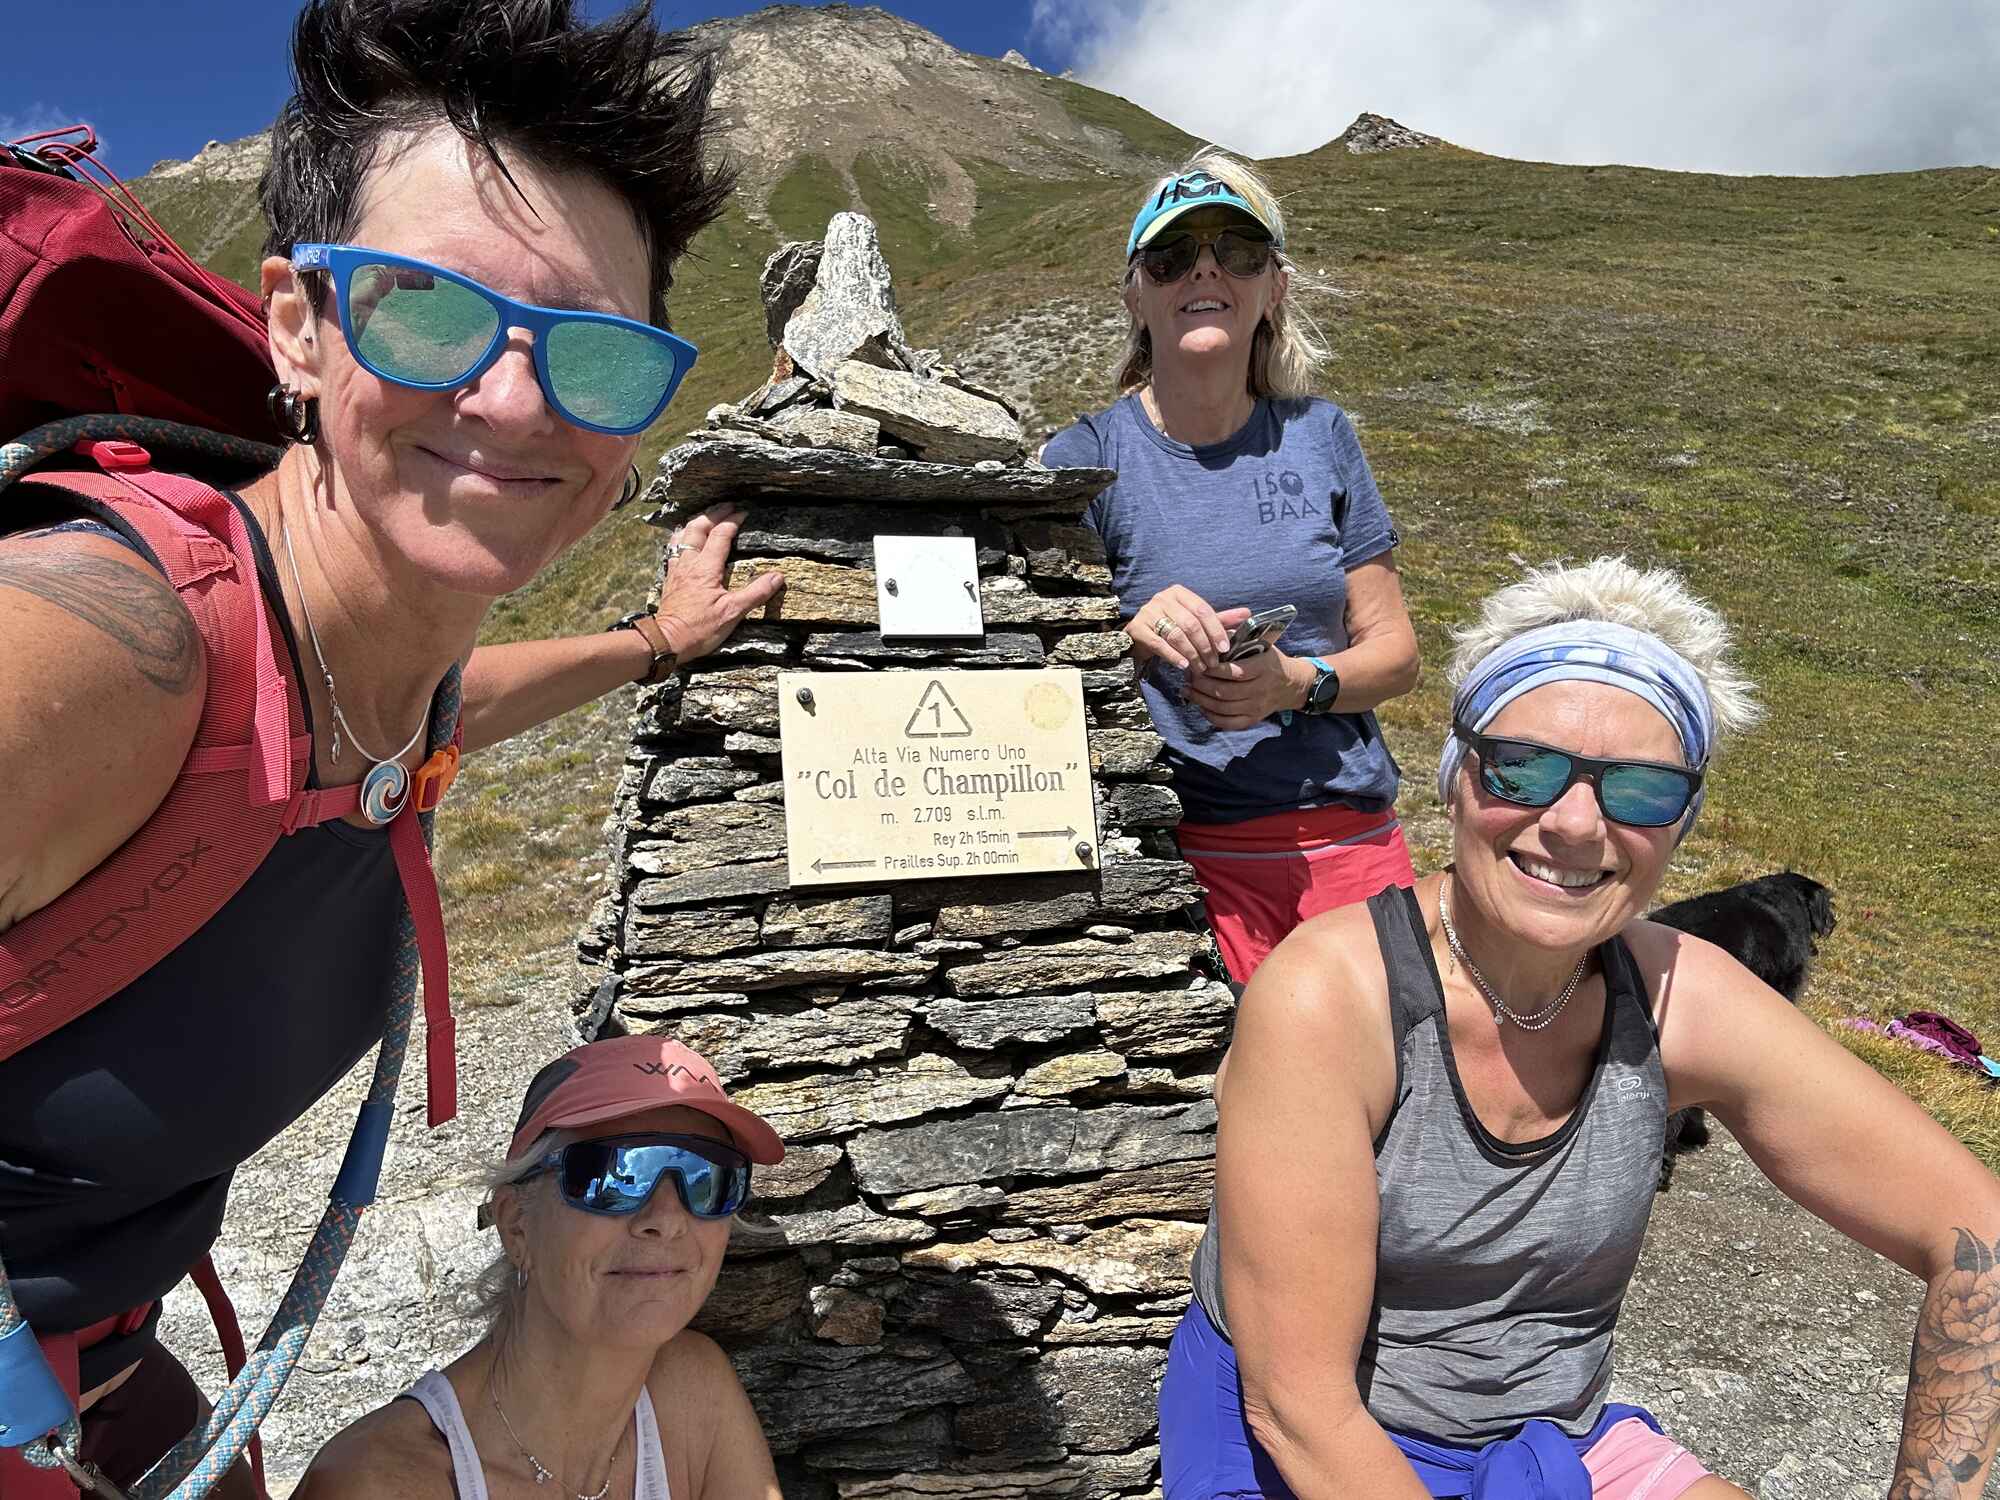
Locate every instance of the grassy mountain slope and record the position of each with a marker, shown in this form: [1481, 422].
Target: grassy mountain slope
[1787, 388]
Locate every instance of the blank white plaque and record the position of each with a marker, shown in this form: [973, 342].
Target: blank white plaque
[928, 586]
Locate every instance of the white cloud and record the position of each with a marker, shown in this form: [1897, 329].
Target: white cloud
[33, 119]
[1806, 86]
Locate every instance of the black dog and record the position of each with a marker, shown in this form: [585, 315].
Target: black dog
[1770, 925]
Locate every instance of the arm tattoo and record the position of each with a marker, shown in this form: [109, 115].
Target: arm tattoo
[1952, 1413]
[133, 606]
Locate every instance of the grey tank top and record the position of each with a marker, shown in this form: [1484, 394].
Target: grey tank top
[1500, 1269]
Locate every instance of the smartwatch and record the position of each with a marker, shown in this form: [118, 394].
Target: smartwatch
[1325, 688]
[664, 657]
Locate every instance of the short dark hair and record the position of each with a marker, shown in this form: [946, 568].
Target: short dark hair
[617, 99]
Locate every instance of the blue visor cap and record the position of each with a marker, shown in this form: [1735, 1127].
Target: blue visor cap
[1183, 194]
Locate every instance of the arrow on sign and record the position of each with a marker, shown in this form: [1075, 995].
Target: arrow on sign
[1048, 833]
[821, 866]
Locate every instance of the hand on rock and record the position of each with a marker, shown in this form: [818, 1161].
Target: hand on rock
[698, 610]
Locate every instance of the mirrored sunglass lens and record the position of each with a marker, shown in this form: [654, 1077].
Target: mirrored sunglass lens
[411, 325]
[604, 1180]
[1241, 254]
[1525, 773]
[1170, 260]
[1645, 796]
[607, 374]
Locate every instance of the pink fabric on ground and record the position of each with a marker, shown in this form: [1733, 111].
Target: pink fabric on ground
[1633, 1462]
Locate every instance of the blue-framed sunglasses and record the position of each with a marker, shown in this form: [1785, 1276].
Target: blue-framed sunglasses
[1639, 793]
[620, 1174]
[418, 325]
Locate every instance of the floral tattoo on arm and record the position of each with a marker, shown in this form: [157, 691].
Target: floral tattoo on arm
[1952, 1413]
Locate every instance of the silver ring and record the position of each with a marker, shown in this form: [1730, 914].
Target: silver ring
[675, 549]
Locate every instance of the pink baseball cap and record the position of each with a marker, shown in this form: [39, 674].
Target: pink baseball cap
[628, 1075]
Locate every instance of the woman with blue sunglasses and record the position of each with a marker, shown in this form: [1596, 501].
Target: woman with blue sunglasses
[474, 210]
[1467, 1086]
[626, 1167]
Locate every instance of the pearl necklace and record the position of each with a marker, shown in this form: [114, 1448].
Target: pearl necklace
[1540, 1018]
[543, 1474]
[386, 787]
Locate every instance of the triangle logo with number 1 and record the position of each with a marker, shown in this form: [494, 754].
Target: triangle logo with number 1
[937, 717]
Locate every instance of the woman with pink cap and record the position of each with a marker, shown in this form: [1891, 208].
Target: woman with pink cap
[614, 1204]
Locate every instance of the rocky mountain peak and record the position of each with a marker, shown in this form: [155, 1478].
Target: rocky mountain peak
[838, 82]
[1370, 133]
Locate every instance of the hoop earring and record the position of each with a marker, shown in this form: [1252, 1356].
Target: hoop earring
[520, 1278]
[296, 417]
[633, 484]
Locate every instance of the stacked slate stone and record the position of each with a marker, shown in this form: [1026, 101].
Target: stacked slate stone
[996, 1091]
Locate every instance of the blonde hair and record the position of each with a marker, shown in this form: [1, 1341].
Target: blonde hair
[1288, 349]
[496, 1291]
[1654, 600]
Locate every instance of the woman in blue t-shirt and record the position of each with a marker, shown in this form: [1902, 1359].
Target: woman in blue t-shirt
[1237, 493]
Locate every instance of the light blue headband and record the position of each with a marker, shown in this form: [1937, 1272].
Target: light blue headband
[1586, 651]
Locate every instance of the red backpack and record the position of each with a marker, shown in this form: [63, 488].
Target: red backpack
[115, 344]
[94, 320]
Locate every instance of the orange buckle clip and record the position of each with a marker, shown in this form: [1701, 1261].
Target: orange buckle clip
[434, 778]
[114, 453]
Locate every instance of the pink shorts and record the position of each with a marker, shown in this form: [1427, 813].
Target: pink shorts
[1633, 1462]
[1266, 875]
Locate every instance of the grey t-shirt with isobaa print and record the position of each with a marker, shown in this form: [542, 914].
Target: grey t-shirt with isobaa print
[1274, 515]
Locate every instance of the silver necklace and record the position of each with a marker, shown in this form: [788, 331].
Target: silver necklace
[1540, 1018]
[543, 1473]
[386, 787]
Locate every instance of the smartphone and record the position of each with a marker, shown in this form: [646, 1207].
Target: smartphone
[1256, 633]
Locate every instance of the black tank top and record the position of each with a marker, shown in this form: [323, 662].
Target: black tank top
[120, 1132]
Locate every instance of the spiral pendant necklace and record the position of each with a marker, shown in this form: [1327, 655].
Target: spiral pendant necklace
[1539, 1019]
[386, 787]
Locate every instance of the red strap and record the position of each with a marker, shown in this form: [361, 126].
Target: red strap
[229, 1333]
[310, 809]
[271, 735]
[204, 508]
[413, 863]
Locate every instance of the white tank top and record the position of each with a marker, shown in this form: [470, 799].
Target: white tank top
[437, 1397]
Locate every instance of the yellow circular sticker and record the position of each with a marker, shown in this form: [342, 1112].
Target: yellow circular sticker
[1047, 706]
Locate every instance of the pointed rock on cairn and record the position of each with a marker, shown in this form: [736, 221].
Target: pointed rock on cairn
[995, 1089]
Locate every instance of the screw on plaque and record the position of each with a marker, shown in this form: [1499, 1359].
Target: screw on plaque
[805, 697]
[1083, 851]
[889, 585]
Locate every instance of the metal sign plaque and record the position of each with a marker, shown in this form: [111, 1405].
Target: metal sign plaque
[928, 586]
[924, 775]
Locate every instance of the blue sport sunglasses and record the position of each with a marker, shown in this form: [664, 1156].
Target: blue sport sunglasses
[620, 1174]
[418, 325]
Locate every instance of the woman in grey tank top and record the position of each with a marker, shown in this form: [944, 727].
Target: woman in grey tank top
[1442, 1111]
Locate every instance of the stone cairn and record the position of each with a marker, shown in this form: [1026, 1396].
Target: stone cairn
[995, 1090]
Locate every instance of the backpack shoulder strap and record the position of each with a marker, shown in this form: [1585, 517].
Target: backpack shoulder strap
[233, 799]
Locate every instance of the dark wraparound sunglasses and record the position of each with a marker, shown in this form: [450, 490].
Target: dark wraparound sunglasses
[418, 325]
[1641, 793]
[1240, 252]
[620, 1174]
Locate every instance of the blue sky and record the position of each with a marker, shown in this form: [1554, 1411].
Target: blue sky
[161, 78]
[1793, 86]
